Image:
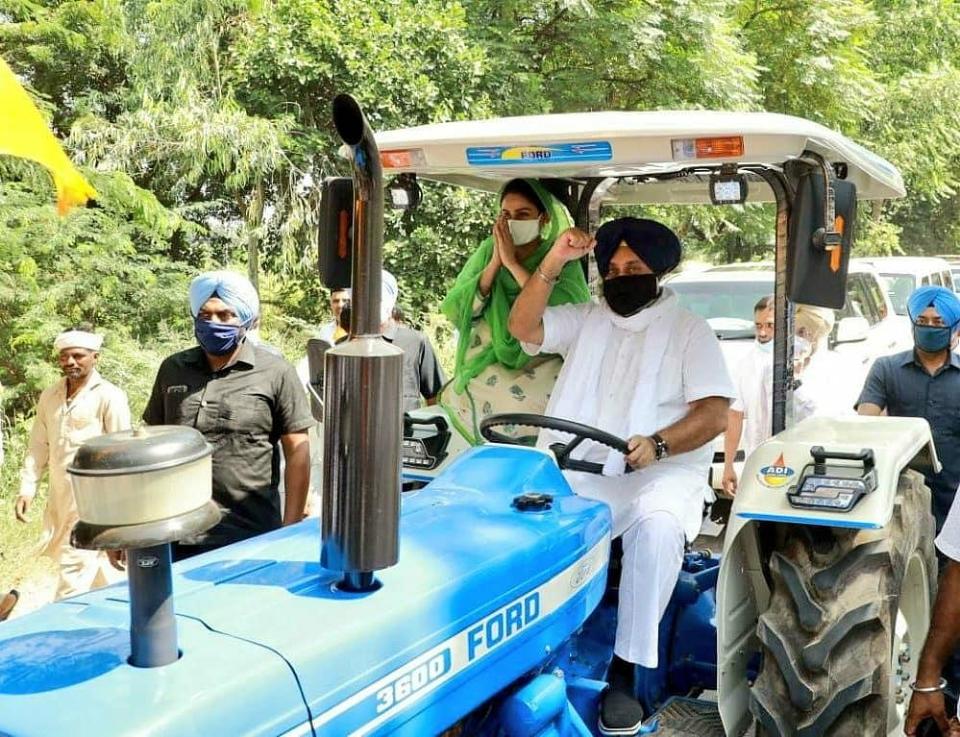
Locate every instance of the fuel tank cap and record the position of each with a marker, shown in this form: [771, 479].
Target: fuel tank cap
[533, 501]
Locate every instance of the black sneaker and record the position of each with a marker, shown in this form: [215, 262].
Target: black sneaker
[620, 714]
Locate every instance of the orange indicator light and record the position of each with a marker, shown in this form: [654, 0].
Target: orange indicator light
[726, 147]
[407, 158]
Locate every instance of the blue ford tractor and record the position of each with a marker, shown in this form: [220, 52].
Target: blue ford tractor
[452, 590]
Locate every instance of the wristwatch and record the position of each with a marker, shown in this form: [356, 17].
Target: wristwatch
[662, 449]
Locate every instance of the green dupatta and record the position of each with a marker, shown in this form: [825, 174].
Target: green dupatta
[458, 304]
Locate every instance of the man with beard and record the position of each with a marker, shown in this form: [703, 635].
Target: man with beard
[640, 367]
[247, 402]
[77, 408]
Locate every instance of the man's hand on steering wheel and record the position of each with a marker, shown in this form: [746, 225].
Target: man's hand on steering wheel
[643, 451]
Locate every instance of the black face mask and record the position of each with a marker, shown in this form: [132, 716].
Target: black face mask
[627, 295]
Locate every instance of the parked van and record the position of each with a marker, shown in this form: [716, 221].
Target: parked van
[866, 327]
[954, 262]
[903, 274]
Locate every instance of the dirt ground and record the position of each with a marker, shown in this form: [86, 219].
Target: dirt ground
[36, 589]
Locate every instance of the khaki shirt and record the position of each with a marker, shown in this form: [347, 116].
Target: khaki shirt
[59, 429]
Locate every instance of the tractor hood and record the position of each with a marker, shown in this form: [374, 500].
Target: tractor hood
[482, 591]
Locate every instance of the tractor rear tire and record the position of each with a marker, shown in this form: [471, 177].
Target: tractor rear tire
[837, 636]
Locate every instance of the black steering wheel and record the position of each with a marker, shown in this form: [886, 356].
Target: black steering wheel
[561, 450]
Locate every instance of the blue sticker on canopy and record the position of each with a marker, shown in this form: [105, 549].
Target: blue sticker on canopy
[548, 153]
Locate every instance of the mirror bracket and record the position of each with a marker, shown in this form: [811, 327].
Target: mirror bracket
[827, 238]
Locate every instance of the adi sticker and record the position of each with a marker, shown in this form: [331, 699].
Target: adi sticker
[777, 475]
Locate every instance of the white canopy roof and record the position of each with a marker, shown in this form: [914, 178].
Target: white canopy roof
[483, 154]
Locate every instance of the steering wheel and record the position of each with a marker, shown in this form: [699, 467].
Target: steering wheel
[562, 451]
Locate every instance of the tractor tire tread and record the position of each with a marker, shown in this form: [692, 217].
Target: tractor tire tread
[811, 613]
[828, 629]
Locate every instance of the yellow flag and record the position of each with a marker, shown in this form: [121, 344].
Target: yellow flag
[23, 133]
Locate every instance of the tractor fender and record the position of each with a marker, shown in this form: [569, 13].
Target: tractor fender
[743, 591]
[774, 467]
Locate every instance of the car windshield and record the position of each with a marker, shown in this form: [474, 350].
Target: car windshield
[726, 305]
[900, 287]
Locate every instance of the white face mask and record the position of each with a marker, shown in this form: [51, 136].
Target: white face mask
[765, 347]
[523, 231]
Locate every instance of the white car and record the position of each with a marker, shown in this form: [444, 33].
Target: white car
[866, 328]
[903, 274]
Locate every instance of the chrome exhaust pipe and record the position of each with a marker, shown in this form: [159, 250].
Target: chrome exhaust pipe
[363, 421]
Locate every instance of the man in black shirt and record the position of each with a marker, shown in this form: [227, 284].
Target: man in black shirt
[925, 382]
[422, 375]
[245, 400]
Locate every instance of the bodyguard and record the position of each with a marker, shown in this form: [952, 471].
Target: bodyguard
[246, 401]
[925, 382]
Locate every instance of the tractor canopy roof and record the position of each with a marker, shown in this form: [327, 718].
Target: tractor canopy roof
[637, 148]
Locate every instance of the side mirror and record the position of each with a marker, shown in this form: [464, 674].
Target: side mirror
[818, 258]
[852, 330]
[335, 237]
[316, 348]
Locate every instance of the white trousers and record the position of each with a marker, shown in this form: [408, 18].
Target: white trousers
[654, 510]
[652, 556]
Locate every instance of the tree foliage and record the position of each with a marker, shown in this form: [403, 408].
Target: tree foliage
[205, 126]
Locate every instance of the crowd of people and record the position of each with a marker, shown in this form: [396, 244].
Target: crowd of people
[633, 363]
[246, 399]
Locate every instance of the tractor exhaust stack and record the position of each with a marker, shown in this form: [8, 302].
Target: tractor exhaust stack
[363, 421]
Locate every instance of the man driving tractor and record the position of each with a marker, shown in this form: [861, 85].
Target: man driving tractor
[638, 366]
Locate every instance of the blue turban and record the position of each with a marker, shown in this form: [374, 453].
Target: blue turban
[230, 286]
[943, 300]
[653, 242]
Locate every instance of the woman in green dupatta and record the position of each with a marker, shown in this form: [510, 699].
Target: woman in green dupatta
[492, 374]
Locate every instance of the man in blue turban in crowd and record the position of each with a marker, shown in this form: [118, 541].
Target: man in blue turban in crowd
[248, 403]
[640, 367]
[925, 382]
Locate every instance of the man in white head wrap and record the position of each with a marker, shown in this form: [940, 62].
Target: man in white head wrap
[81, 406]
[247, 402]
[422, 375]
[828, 381]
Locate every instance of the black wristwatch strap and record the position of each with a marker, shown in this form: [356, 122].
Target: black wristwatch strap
[663, 450]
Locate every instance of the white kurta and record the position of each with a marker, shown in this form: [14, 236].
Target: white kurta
[753, 380]
[61, 426]
[631, 376]
[830, 385]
